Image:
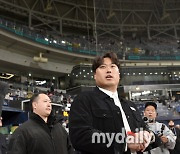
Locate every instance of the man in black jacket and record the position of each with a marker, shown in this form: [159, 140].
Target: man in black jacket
[101, 122]
[42, 133]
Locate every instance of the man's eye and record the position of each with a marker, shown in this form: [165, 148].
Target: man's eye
[102, 66]
[113, 66]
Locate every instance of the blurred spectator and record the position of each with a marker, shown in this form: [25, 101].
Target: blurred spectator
[61, 97]
[160, 129]
[65, 124]
[177, 126]
[3, 144]
[176, 132]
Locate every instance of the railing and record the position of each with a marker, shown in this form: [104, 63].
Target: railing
[56, 42]
[46, 40]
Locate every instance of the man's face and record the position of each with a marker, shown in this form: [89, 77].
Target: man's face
[171, 123]
[107, 75]
[150, 112]
[42, 105]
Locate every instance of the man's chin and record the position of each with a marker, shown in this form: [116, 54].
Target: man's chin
[48, 113]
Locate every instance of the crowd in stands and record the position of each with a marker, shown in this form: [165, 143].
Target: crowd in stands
[16, 94]
[130, 46]
[166, 108]
[57, 96]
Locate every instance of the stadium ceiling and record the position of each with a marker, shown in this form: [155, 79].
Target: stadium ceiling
[118, 18]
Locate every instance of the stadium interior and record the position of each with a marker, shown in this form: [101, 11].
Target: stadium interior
[49, 45]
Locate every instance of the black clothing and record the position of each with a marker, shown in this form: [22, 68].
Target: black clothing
[176, 149]
[94, 111]
[37, 137]
[3, 144]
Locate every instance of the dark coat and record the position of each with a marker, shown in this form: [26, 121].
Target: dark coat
[95, 111]
[176, 149]
[3, 144]
[37, 137]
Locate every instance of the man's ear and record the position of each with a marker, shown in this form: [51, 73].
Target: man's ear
[94, 76]
[34, 104]
[119, 75]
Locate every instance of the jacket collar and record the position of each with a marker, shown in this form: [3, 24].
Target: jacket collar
[109, 93]
[37, 118]
[104, 96]
[50, 122]
[100, 93]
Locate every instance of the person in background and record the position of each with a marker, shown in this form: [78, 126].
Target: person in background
[165, 134]
[42, 133]
[176, 132]
[3, 91]
[65, 124]
[177, 126]
[102, 111]
[3, 143]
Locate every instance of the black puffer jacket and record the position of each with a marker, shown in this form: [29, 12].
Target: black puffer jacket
[37, 137]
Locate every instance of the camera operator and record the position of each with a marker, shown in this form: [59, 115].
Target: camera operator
[167, 137]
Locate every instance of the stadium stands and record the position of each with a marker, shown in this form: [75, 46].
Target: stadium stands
[132, 49]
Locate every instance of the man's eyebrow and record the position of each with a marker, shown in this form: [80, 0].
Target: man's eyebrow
[47, 99]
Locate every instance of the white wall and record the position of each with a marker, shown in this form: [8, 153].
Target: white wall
[27, 61]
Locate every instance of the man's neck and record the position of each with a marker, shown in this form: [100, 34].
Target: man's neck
[44, 118]
[111, 89]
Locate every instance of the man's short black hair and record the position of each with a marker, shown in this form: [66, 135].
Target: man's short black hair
[151, 104]
[170, 120]
[99, 60]
[33, 98]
